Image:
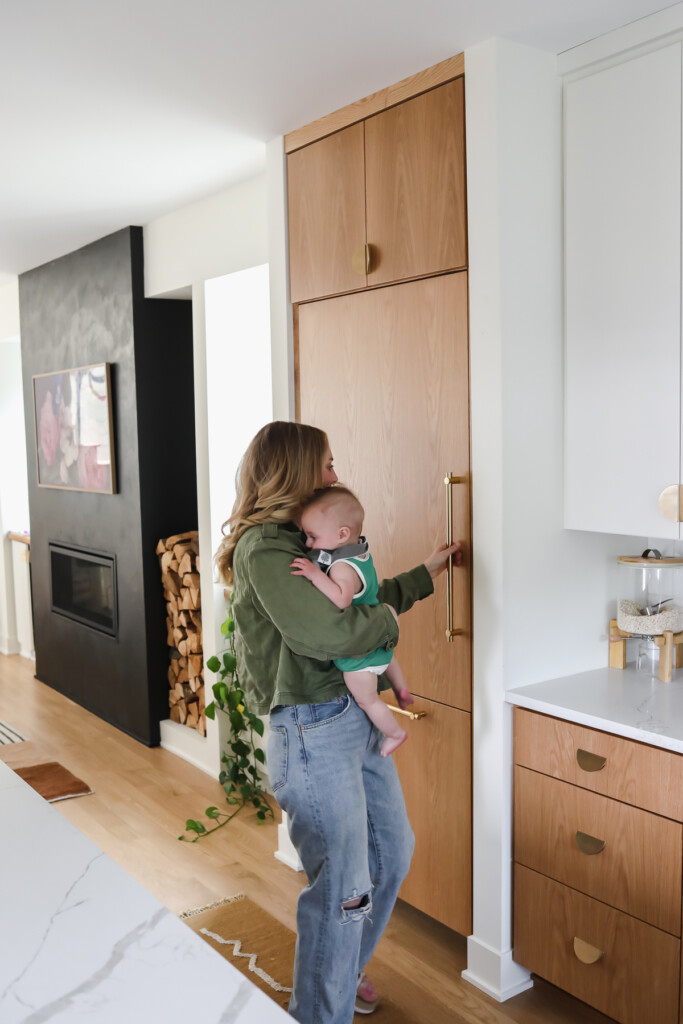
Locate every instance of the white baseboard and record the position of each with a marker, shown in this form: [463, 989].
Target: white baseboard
[27, 653]
[286, 851]
[494, 972]
[9, 645]
[188, 744]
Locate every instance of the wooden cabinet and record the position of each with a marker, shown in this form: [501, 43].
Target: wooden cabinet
[394, 183]
[606, 873]
[384, 373]
[326, 185]
[434, 768]
[623, 295]
[415, 186]
[558, 931]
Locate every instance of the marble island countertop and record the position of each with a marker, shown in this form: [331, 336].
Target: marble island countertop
[81, 940]
[621, 701]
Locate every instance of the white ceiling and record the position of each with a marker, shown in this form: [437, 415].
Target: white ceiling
[114, 112]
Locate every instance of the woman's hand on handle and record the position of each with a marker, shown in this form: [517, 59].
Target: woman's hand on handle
[438, 560]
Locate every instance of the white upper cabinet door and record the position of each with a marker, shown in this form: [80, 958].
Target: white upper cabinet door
[623, 295]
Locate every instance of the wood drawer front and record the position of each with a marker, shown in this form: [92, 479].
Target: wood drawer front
[639, 868]
[633, 772]
[637, 977]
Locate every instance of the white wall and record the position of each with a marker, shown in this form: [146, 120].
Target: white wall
[13, 474]
[9, 310]
[542, 595]
[215, 236]
[221, 235]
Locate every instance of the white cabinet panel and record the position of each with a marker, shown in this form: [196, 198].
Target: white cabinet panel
[623, 294]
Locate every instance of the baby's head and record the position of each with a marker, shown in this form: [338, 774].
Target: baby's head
[332, 518]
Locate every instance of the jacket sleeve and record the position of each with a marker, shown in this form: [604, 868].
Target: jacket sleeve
[308, 622]
[404, 590]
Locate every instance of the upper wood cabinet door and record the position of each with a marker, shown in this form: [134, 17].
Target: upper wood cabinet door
[326, 186]
[415, 186]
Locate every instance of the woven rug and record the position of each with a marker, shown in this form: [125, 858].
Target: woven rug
[9, 735]
[263, 949]
[253, 941]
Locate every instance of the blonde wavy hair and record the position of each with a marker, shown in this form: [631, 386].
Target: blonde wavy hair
[280, 470]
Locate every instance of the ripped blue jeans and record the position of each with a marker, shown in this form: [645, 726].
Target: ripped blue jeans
[348, 822]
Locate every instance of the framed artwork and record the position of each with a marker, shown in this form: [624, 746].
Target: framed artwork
[74, 434]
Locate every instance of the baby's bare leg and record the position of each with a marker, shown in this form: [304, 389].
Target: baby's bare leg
[398, 684]
[363, 687]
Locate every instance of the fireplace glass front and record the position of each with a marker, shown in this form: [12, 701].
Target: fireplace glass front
[84, 587]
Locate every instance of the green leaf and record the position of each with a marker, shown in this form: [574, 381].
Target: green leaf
[257, 725]
[213, 664]
[255, 801]
[230, 626]
[194, 826]
[259, 755]
[212, 812]
[261, 815]
[223, 692]
[234, 700]
[229, 662]
[210, 710]
[236, 721]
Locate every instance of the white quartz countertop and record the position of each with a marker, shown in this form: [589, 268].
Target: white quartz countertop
[81, 940]
[621, 701]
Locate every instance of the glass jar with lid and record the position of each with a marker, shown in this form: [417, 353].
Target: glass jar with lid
[650, 600]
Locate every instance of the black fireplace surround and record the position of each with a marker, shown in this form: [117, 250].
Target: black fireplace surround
[99, 623]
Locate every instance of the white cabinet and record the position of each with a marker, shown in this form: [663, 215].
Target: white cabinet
[623, 294]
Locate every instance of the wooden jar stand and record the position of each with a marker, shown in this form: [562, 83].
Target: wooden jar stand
[666, 643]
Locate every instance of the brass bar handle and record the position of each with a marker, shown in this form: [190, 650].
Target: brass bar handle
[449, 480]
[586, 953]
[590, 762]
[589, 844]
[413, 715]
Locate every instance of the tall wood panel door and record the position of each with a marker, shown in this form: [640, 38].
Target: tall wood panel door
[326, 189]
[415, 186]
[434, 768]
[385, 373]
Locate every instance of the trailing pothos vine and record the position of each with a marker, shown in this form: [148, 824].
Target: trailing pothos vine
[240, 777]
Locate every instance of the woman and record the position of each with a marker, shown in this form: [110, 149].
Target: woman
[344, 803]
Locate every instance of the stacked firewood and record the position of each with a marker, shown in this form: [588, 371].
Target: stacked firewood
[179, 560]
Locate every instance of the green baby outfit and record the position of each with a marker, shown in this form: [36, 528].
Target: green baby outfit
[369, 594]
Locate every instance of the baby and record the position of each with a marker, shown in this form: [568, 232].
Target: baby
[332, 521]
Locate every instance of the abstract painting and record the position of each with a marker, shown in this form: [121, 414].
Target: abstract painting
[74, 435]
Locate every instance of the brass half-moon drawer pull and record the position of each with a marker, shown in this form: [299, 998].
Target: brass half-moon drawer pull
[586, 953]
[414, 715]
[590, 762]
[589, 844]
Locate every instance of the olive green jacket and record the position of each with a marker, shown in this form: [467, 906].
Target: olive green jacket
[287, 632]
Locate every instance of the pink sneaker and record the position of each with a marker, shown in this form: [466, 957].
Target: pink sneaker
[366, 995]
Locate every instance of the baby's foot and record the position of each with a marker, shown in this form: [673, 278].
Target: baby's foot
[390, 743]
[404, 697]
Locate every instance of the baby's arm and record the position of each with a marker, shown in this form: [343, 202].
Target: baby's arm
[339, 585]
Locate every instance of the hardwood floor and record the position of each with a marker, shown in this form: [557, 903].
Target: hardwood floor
[142, 798]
